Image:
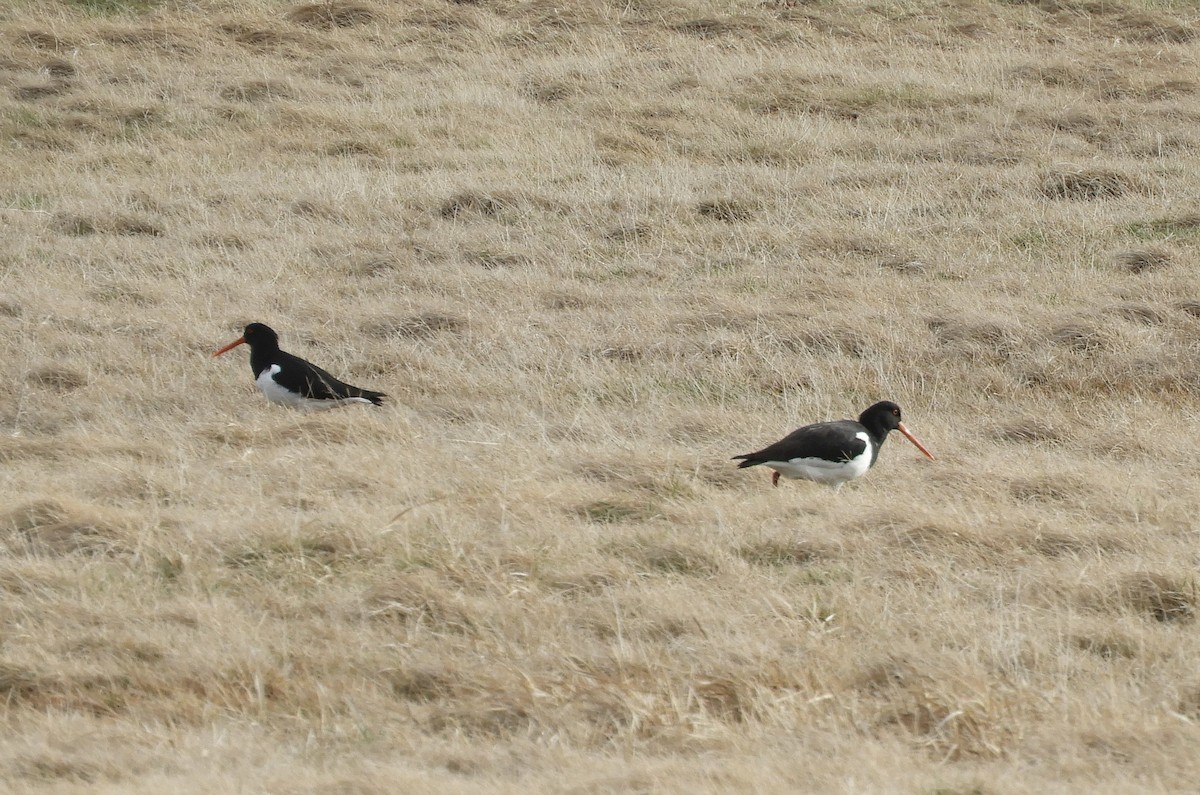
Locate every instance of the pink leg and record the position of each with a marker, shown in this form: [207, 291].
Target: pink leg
[774, 478]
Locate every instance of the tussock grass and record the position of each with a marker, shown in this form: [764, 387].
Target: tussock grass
[592, 251]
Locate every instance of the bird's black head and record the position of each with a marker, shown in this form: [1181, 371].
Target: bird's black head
[884, 416]
[258, 335]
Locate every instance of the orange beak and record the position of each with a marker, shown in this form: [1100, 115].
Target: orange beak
[241, 340]
[907, 435]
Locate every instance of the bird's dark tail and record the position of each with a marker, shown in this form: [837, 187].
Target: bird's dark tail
[747, 462]
[375, 397]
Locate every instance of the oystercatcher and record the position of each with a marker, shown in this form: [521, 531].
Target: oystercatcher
[290, 380]
[832, 452]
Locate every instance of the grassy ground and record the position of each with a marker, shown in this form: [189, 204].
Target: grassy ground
[593, 250]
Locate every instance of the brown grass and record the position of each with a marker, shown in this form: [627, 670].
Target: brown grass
[593, 250]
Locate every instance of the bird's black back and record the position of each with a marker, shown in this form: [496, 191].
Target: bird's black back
[306, 379]
[832, 441]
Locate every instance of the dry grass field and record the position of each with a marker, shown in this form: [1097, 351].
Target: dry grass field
[592, 250]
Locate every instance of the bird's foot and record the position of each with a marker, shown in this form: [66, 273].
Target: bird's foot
[775, 479]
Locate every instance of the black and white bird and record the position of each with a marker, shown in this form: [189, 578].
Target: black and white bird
[832, 452]
[290, 380]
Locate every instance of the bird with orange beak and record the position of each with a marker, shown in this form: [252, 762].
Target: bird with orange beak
[832, 452]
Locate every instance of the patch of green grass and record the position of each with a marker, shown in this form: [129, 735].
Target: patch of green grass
[1033, 240]
[288, 552]
[1184, 226]
[169, 568]
[906, 96]
[405, 140]
[698, 389]
[609, 512]
[769, 94]
[778, 553]
[666, 558]
[721, 266]
[25, 116]
[29, 202]
[822, 575]
[971, 790]
[114, 7]
[672, 488]
[768, 154]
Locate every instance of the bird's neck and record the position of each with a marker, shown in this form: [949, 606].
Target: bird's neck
[878, 433]
[263, 356]
[878, 436]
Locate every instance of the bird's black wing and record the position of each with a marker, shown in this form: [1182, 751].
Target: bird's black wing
[831, 441]
[310, 381]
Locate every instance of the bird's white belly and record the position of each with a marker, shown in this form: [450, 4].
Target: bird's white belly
[279, 394]
[274, 392]
[833, 473]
